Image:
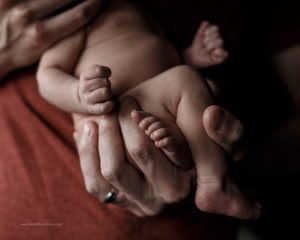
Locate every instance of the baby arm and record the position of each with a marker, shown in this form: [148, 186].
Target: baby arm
[90, 94]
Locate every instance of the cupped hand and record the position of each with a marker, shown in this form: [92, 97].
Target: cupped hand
[145, 186]
[28, 28]
[147, 181]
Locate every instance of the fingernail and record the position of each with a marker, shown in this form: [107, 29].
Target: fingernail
[86, 129]
[218, 119]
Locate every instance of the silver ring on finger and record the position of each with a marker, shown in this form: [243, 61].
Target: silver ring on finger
[111, 196]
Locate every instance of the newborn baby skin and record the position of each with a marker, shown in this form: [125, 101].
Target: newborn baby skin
[184, 107]
[135, 50]
[133, 47]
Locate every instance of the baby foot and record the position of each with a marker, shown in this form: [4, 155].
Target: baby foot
[223, 196]
[94, 90]
[166, 137]
[207, 47]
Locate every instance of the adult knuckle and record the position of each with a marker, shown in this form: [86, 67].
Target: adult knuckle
[104, 124]
[140, 153]
[83, 14]
[92, 188]
[21, 15]
[83, 148]
[111, 174]
[151, 211]
[153, 208]
[176, 195]
[36, 34]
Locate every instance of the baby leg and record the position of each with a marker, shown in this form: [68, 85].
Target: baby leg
[94, 90]
[215, 190]
[166, 136]
[207, 47]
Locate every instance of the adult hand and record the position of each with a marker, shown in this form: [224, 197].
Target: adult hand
[136, 193]
[29, 27]
[163, 183]
[224, 129]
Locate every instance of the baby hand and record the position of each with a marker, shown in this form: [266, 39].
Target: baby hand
[94, 90]
[207, 48]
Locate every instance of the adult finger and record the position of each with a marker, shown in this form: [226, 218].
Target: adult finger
[225, 129]
[121, 174]
[39, 9]
[114, 169]
[95, 183]
[168, 181]
[89, 161]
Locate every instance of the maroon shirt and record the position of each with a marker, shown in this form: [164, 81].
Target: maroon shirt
[42, 193]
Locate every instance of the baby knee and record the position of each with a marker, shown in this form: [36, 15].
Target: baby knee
[185, 75]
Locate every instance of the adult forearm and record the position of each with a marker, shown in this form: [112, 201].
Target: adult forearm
[28, 28]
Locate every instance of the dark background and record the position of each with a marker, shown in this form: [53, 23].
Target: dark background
[254, 31]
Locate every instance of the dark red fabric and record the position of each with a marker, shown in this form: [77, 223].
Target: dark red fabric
[41, 182]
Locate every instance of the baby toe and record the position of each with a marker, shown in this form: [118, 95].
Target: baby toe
[164, 142]
[155, 125]
[146, 122]
[158, 134]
